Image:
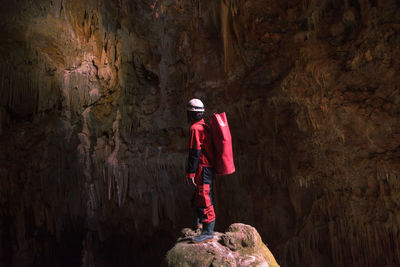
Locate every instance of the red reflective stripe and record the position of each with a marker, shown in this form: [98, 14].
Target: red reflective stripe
[206, 195]
[202, 196]
[209, 214]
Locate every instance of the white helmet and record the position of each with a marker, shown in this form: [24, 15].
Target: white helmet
[195, 105]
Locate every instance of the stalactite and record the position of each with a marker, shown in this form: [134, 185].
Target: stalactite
[231, 34]
[350, 238]
[226, 34]
[117, 173]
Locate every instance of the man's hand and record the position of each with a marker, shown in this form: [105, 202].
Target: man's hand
[193, 182]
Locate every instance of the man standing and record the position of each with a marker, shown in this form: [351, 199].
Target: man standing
[200, 170]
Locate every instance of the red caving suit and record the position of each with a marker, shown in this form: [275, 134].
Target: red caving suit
[201, 156]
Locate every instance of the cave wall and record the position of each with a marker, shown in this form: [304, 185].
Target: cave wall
[93, 128]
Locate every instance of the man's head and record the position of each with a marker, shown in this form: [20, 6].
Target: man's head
[195, 110]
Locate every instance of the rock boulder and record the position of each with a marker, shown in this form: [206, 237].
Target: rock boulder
[241, 245]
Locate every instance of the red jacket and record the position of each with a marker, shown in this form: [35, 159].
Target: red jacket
[200, 148]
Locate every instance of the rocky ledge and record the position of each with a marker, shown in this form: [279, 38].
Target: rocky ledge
[241, 245]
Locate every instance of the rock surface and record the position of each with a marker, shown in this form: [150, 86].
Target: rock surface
[93, 134]
[240, 245]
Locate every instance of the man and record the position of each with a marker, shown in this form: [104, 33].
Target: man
[200, 170]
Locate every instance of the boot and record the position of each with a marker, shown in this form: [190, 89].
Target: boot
[207, 233]
[198, 226]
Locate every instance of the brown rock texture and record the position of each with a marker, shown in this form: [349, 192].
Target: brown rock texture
[93, 131]
[240, 245]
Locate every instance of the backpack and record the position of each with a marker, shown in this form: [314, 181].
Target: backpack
[222, 141]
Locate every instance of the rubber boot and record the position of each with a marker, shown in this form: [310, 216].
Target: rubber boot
[198, 226]
[207, 233]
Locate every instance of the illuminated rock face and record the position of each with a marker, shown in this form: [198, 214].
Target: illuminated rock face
[93, 128]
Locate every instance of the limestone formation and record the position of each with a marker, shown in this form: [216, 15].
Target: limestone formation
[241, 245]
[93, 134]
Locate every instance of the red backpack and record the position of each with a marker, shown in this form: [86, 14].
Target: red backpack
[222, 141]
